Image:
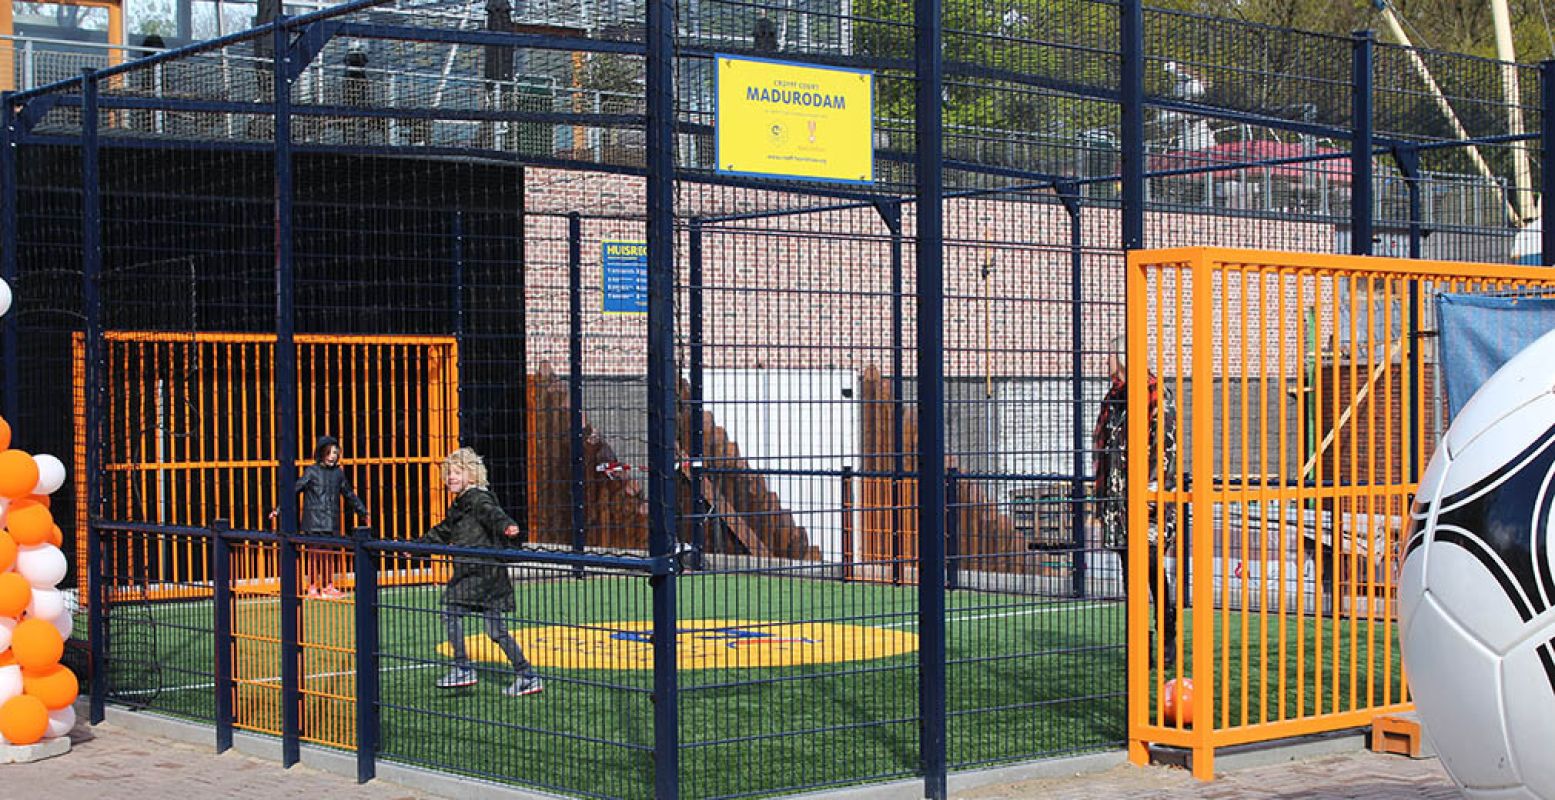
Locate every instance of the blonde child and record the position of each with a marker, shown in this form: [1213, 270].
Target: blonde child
[478, 586]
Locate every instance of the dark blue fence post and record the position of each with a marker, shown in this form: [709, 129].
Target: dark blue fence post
[695, 408]
[91, 300]
[952, 528]
[1408, 159]
[659, 95]
[848, 555]
[221, 631]
[1131, 97]
[1069, 193]
[96, 624]
[459, 320]
[286, 404]
[575, 375]
[891, 214]
[1547, 154]
[521, 360]
[1363, 48]
[929, 63]
[366, 611]
[10, 238]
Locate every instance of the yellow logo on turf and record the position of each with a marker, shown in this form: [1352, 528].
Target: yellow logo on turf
[700, 644]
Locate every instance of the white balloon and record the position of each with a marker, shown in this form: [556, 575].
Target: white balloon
[51, 473]
[61, 721]
[7, 627]
[43, 565]
[47, 604]
[5, 297]
[10, 682]
[64, 623]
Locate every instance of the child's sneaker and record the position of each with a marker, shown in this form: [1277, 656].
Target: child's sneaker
[456, 678]
[525, 684]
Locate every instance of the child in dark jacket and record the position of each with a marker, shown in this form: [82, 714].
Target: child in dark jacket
[478, 586]
[322, 485]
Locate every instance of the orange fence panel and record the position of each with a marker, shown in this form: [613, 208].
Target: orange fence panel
[189, 435]
[1306, 404]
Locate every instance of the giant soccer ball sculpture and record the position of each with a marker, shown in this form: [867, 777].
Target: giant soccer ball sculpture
[1476, 587]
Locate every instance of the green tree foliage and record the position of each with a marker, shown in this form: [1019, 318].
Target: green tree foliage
[1458, 26]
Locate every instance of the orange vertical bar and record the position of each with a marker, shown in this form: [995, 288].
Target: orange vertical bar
[1331, 478]
[7, 52]
[1365, 504]
[1391, 477]
[1219, 276]
[1345, 485]
[230, 439]
[1137, 304]
[1271, 307]
[1249, 345]
[1173, 350]
[115, 33]
[451, 387]
[1292, 502]
[1204, 501]
[248, 419]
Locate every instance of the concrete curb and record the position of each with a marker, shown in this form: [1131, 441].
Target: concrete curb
[415, 779]
[322, 759]
[1067, 767]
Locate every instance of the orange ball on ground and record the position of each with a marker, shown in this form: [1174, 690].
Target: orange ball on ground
[18, 473]
[23, 719]
[28, 522]
[15, 594]
[37, 644]
[1177, 701]
[57, 687]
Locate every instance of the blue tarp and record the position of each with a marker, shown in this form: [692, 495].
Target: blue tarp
[1480, 332]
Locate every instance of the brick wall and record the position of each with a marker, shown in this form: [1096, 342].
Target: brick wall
[815, 290]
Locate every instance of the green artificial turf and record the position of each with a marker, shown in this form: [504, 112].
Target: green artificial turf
[1026, 677]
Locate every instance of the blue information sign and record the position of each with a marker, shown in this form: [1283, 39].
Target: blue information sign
[624, 277]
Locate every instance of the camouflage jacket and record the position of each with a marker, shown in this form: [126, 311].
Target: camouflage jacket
[1111, 443]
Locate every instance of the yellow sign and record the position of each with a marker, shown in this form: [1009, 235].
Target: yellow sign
[795, 121]
[699, 644]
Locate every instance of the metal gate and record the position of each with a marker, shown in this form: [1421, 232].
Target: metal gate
[1304, 399]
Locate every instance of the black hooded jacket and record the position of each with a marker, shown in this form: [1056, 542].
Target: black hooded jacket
[321, 487]
[476, 519]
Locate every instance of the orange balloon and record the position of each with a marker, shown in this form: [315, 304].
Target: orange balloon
[5, 434]
[1177, 702]
[27, 521]
[7, 551]
[37, 644]
[18, 473]
[56, 536]
[40, 499]
[57, 687]
[15, 594]
[23, 719]
[7, 658]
